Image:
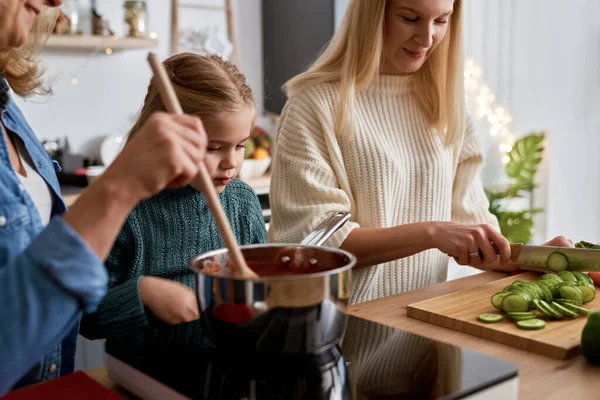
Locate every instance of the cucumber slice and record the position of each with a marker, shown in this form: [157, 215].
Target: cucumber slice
[543, 310]
[515, 302]
[552, 285]
[535, 288]
[546, 291]
[570, 291]
[524, 287]
[520, 317]
[583, 278]
[521, 314]
[551, 276]
[567, 276]
[589, 292]
[568, 301]
[557, 262]
[549, 310]
[497, 299]
[568, 283]
[531, 324]
[549, 283]
[546, 313]
[490, 318]
[526, 294]
[580, 310]
[565, 311]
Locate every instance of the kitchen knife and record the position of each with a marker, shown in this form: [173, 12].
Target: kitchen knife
[534, 258]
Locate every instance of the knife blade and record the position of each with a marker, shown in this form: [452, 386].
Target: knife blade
[533, 258]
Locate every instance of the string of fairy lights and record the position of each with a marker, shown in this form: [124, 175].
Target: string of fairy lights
[478, 92]
[98, 50]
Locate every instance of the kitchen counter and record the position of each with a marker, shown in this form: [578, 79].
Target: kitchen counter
[260, 186]
[539, 376]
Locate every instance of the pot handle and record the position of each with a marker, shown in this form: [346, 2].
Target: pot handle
[327, 228]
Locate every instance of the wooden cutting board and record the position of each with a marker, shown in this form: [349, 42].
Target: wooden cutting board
[459, 310]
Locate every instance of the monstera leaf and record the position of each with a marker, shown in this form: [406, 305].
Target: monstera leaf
[524, 158]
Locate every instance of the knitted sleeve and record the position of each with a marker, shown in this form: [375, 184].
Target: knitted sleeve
[469, 202]
[254, 231]
[305, 188]
[121, 312]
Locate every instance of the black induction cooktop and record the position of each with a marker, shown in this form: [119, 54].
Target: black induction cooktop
[373, 361]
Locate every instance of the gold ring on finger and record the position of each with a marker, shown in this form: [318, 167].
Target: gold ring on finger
[474, 254]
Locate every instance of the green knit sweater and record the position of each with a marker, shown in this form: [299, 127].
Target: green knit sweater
[159, 238]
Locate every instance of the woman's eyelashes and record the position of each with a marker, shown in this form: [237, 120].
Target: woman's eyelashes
[417, 19]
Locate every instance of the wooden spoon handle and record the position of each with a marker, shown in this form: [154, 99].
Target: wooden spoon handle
[167, 93]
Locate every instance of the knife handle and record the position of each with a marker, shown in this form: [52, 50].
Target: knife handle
[515, 248]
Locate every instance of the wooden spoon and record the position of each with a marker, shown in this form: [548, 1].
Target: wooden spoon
[172, 105]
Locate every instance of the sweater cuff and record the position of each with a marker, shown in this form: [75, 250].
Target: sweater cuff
[122, 310]
[341, 235]
[67, 258]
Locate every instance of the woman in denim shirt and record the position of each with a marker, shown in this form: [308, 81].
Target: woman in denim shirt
[51, 260]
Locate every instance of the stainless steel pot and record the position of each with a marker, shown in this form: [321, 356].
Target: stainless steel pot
[284, 314]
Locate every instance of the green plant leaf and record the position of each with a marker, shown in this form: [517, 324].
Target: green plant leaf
[524, 159]
[515, 191]
[516, 226]
[495, 198]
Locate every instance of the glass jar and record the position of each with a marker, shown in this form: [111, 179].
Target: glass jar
[70, 9]
[136, 18]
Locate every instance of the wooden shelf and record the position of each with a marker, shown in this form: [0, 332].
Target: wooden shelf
[89, 42]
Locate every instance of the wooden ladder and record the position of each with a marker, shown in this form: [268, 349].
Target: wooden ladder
[227, 9]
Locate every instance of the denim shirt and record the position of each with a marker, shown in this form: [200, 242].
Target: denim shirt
[48, 275]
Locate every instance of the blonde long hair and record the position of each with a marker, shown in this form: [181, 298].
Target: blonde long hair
[206, 86]
[21, 66]
[353, 58]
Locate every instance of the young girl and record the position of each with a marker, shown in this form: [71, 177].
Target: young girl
[150, 302]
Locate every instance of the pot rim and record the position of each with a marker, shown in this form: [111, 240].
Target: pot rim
[351, 263]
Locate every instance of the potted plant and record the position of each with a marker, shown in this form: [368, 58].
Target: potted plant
[522, 166]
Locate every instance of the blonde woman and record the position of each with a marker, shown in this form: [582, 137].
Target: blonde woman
[377, 126]
[51, 260]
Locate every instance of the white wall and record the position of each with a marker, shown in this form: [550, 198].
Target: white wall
[542, 60]
[339, 7]
[111, 88]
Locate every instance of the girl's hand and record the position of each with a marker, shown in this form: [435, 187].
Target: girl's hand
[165, 152]
[473, 245]
[169, 301]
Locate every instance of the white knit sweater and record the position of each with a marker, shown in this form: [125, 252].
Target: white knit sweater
[393, 170]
